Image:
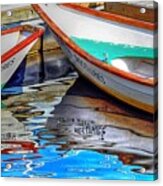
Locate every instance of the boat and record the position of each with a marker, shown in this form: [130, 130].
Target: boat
[16, 42]
[114, 52]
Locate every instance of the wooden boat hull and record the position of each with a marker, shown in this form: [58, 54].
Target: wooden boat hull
[134, 94]
[129, 89]
[10, 66]
[14, 53]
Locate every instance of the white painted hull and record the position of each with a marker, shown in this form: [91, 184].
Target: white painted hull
[111, 83]
[80, 25]
[66, 23]
[9, 67]
[8, 41]
[16, 42]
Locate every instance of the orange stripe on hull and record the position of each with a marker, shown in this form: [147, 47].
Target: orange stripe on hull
[143, 106]
[37, 33]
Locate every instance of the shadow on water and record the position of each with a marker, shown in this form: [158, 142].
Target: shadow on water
[102, 124]
[65, 127]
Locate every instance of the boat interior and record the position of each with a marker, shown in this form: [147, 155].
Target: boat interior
[95, 37]
[135, 60]
[79, 24]
[141, 67]
[14, 38]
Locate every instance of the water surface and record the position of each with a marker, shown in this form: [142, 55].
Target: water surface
[48, 134]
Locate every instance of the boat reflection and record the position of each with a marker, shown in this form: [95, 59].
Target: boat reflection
[84, 122]
[66, 127]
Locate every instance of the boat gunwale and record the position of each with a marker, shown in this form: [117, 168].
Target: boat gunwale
[36, 33]
[113, 17]
[11, 30]
[87, 56]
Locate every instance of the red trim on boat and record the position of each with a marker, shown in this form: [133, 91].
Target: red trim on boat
[112, 17]
[87, 56]
[11, 30]
[25, 145]
[36, 34]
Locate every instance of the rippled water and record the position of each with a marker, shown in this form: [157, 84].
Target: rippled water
[52, 130]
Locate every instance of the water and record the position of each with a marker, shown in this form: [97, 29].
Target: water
[64, 127]
[106, 51]
[48, 134]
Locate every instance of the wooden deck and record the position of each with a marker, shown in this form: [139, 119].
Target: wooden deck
[133, 10]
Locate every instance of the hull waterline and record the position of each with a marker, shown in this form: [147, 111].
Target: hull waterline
[129, 88]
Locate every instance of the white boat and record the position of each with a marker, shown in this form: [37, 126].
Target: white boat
[15, 44]
[130, 78]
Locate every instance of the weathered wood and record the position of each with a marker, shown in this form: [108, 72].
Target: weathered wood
[23, 14]
[18, 14]
[133, 10]
[91, 5]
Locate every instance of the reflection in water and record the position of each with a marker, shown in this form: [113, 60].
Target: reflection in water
[77, 122]
[47, 132]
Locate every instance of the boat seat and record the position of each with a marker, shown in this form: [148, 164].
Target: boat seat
[137, 66]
